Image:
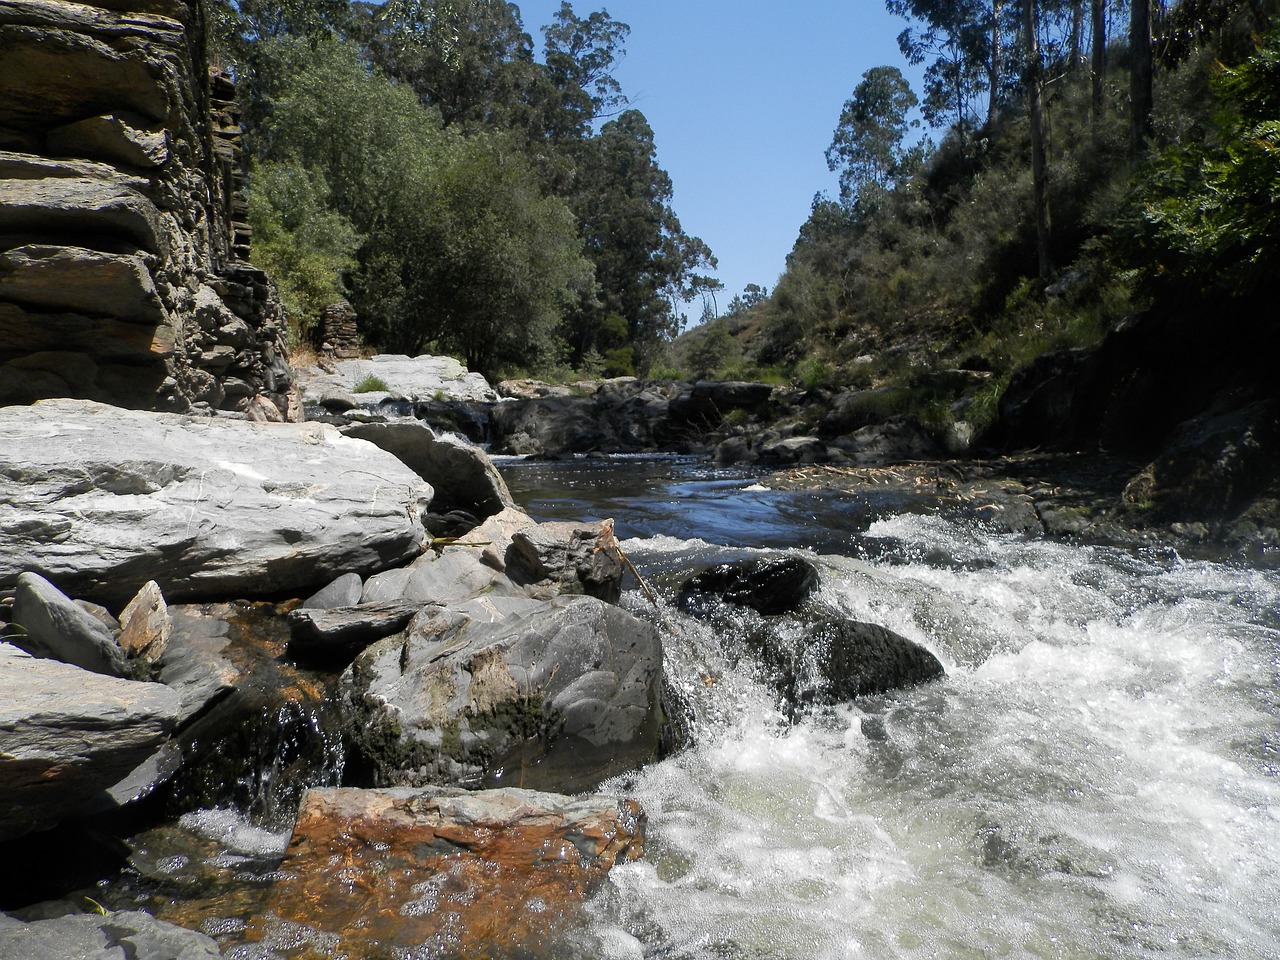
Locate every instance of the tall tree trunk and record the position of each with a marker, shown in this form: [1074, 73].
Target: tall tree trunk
[1076, 59]
[1140, 95]
[1039, 166]
[1099, 67]
[993, 64]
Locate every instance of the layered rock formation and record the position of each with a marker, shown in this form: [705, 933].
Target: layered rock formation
[121, 246]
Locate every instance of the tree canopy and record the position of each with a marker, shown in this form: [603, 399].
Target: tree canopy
[417, 158]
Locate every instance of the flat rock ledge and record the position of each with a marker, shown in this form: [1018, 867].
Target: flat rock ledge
[99, 500]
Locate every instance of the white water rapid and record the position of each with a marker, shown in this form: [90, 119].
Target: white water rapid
[1096, 776]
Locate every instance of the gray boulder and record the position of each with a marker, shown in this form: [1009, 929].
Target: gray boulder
[67, 735]
[461, 475]
[196, 663]
[343, 592]
[131, 935]
[50, 625]
[557, 694]
[338, 633]
[100, 500]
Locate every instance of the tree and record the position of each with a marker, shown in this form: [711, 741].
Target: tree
[461, 249]
[958, 35]
[1039, 162]
[307, 247]
[867, 145]
[1098, 55]
[470, 59]
[580, 56]
[1140, 76]
[645, 264]
[1205, 216]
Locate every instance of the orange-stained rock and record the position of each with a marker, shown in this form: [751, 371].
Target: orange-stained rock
[444, 872]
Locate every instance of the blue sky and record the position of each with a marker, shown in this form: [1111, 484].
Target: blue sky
[743, 96]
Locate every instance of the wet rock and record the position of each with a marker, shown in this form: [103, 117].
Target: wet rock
[735, 450]
[100, 500]
[769, 585]
[343, 592]
[131, 935]
[838, 660]
[1214, 468]
[339, 633]
[439, 872]
[67, 735]
[461, 475]
[557, 694]
[49, 624]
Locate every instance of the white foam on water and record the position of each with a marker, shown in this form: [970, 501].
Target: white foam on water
[1095, 777]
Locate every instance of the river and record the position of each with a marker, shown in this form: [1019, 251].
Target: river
[1096, 776]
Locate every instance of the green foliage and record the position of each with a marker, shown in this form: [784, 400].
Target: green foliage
[371, 384]
[867, 145]
[462, 249]
[1205, 219]
[307, 247]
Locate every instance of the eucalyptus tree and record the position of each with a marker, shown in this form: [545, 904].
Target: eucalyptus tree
[580, 56]
[867, 146]
[645, 264]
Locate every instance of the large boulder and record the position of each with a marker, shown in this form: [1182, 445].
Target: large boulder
[554, 694]
[461, 475]
[769, 585]
[440, 872]
[67, 736]
[421, 377]
[100, 500]
[130, 935]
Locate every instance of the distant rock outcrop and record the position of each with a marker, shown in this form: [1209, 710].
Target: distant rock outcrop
[122, 240]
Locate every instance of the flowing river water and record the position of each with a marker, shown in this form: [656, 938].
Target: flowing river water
[1096, 775]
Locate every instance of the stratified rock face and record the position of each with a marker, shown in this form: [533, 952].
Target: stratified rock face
[446, 873]
[100, 500]
[121, 276]
[67, 734]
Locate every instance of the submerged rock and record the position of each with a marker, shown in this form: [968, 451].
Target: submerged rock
[769, 585]
[556, 694]
[838, 660]
[67, 735]
[100, 500]
[440, 872]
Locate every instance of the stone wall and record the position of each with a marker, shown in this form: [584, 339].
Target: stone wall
[122, 236]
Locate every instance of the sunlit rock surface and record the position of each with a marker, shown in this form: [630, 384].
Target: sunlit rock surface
[68, 735]
[446, 873]
[100, 500]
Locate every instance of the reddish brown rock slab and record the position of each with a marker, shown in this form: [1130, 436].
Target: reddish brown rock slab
[446, 873]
